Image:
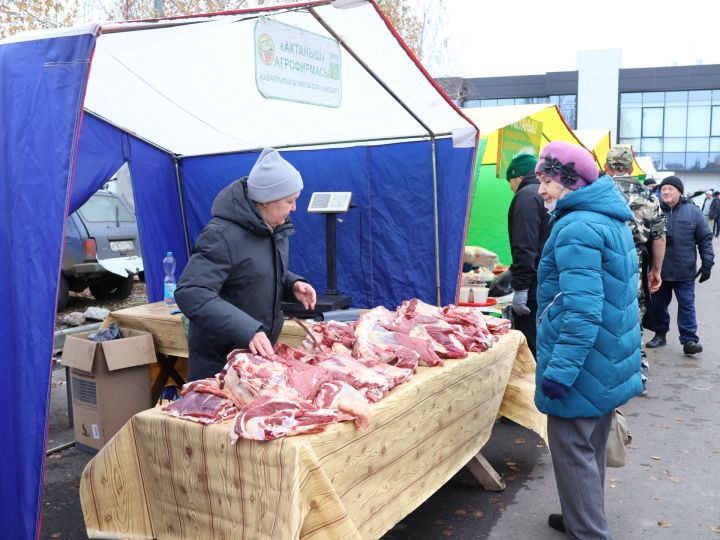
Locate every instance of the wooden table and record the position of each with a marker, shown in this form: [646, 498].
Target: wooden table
[161, 477]
[170, 339]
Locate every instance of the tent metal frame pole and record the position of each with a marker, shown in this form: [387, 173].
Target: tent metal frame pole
[181, 198]
[400, 102]
[436, 215]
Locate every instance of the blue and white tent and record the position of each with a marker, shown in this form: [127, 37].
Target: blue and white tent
[178, 100]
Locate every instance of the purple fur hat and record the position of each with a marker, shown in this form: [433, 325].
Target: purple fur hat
[568, 164]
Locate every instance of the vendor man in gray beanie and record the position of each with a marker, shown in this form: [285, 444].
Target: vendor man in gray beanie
[528, 230]
[687, 234]
[237, 276]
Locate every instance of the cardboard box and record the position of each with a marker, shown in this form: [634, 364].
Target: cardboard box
[110, 383]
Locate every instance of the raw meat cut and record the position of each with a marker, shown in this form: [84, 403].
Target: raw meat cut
[202, 407]
[351, 403]
[269, 418]
[340, 368]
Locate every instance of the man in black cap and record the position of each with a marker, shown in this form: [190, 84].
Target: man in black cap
[715, 213]
[652, 185]
[528, 230]
[687, 233]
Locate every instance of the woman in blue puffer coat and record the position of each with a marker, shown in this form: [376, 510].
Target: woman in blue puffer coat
[588, 340]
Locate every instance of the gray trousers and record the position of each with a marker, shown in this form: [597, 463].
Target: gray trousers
[577, 446]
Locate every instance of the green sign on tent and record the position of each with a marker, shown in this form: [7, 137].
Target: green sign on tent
[522, 137]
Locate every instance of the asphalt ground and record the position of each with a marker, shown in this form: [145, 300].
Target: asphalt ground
[670, 489]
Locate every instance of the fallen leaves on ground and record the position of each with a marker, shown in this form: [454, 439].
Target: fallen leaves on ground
[460, 512]
[656, 458]
[519, 440]
[664, 523]
[715, 529]
[478, 514]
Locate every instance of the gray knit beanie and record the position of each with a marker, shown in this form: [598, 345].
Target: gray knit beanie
[272, 178]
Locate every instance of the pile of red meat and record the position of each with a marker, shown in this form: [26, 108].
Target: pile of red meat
[340, 369]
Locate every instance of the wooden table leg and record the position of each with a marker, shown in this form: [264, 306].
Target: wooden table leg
[167, 370]
[484, 473]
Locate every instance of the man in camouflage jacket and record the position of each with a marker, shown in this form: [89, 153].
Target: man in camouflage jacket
[647, 227]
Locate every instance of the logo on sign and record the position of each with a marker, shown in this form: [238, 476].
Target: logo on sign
[266, 49]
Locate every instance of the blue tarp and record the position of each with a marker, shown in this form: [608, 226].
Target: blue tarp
[385, 246]
[386, 250]
[42, 84]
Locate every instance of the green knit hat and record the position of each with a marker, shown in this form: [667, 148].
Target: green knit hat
[520, 166]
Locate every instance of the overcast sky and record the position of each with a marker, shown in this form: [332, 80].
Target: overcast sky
[522, 37]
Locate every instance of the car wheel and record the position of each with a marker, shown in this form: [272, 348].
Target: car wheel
[63, 296]
[115, 288]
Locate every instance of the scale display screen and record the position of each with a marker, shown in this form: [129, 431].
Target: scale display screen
[329, 202]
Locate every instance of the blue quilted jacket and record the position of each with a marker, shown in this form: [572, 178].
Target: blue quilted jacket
[588, 334]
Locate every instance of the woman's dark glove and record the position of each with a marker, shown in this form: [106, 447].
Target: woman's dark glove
[703, 274]
[554, 390]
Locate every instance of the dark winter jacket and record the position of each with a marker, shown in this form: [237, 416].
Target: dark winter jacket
[234, 282]
[588, 335]
[715, 209]
[528, 230]
[687, 233]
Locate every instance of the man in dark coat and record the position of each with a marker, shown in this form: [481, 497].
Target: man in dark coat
[528, 230]
[715, 213]
[235, 280]
[687, 234]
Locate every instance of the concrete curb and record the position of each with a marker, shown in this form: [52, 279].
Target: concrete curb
[61, 334]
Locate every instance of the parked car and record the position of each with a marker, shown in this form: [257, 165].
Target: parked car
[102, 250]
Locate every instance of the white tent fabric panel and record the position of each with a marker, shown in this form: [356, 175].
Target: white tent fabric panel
[367, 34]
[141, 82]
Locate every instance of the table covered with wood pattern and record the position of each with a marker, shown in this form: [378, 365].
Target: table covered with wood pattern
[162, 477]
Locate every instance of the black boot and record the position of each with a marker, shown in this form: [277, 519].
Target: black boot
[556, 522]
[658, 341]
[690, 347]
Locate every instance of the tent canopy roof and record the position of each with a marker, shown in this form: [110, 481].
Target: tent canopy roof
[491, 119]
[592, 138]
[598, 141]
[187, 85]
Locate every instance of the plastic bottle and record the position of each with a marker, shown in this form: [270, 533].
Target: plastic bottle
[169, 265]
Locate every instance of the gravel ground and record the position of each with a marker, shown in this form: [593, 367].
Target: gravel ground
[83, 300]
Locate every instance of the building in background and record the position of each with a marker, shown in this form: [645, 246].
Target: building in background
[669, 114]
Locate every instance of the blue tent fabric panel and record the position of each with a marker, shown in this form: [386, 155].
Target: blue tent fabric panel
[203, 178]
[158, 210]
[42, 84]
[454, 187]
[385, 246]
[101, 152]
[402, 223]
